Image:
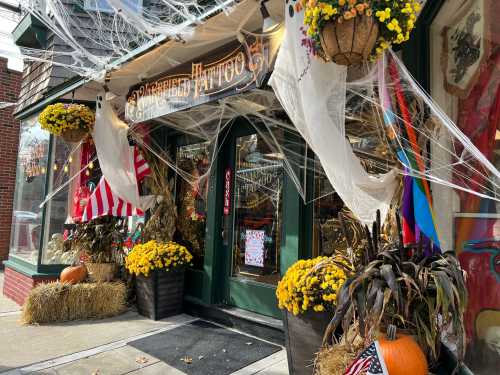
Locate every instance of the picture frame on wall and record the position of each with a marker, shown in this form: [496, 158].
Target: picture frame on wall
[466, 45]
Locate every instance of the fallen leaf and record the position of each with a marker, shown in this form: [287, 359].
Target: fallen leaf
[249, 343]
[187, 360]
[201, 356]
[224, 350]
[141, 360]
[96, 372]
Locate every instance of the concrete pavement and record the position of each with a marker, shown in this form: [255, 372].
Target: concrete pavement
[96, 347]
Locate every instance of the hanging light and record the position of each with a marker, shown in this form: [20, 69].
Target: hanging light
[70, 159]
[91, 165]
[44, 170]
[268, 23]
[55, 167]
[87, 172]
[66, 169]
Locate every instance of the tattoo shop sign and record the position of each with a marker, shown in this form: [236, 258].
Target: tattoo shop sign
[232, 70]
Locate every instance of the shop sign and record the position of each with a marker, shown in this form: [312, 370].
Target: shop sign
[202, 81]
[227, 191]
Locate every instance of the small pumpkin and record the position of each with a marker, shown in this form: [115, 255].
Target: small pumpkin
[73, 274]
[402, 355]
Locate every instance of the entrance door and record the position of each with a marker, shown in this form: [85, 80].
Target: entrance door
[252, 235]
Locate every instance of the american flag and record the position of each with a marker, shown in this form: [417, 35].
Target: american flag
[369, 362]
[103, 201]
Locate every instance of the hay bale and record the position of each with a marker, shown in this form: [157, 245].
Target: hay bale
[334, 360]
[60, 302]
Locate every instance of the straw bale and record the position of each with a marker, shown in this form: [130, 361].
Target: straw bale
[59, 302]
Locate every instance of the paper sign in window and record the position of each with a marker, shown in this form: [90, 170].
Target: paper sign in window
[254, 247]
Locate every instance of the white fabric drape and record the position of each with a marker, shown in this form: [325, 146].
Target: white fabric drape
[313, 94]
[116, 156]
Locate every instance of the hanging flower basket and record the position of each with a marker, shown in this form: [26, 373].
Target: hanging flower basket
[350, 32]
[350, 42]
[72, 122]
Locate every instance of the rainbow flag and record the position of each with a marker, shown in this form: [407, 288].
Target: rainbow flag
[419, 222]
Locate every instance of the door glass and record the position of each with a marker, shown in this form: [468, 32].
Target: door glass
[257, 210]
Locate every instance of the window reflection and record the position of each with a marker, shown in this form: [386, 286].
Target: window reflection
[29, 191]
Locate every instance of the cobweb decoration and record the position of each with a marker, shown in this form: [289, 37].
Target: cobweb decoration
[459, 165]
[95, 34]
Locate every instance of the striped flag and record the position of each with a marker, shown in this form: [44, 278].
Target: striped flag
[369, 362]
[103, 201]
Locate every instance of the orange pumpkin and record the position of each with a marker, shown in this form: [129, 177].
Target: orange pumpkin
[402, 355]
[73, 274]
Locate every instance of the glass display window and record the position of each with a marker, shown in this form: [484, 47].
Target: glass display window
[191, 198]
[29, 191]
[465, 81]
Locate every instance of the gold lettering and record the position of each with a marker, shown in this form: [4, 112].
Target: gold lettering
[229, 71]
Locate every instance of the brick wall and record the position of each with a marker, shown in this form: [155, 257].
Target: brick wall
[17, 285]
[10, 85]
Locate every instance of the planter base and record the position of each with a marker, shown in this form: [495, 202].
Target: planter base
[160, 295]
[303, 337]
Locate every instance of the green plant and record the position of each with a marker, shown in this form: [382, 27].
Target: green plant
[101, 238]
[403, 287]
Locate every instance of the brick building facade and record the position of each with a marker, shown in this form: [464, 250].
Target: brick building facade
[10, 85]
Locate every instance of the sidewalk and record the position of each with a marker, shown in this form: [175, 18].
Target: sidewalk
[131, 344]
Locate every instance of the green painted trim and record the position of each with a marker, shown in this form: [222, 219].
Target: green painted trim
[194, 283]
[23, 267]
[242, 291]
[30, 32]
[416, 52]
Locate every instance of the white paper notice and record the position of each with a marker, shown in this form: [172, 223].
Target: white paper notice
[254, 247]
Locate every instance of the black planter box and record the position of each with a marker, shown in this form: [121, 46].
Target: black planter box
[303, 339]
[160, 294]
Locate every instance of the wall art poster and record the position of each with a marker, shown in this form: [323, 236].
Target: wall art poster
[254, 247]
[466, 44]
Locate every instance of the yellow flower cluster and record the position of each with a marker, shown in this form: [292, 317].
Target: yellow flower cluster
[396, 18]
[59, 117]
[310, 284]
[152, 255]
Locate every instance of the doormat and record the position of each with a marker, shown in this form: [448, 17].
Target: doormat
[202, 348]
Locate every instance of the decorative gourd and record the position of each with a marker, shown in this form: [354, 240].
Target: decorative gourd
[73, 274]
[402, 355]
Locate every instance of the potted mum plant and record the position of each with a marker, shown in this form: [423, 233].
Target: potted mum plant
[70, 121]
[159, 270]
[307, 293]
[349, 32]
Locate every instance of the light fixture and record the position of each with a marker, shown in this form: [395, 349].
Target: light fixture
[91, 165]
[87, 172]
[66, 169]
[55, 167]
[268, 24]
[70, 159]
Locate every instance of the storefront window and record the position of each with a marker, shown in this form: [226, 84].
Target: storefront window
[30, 191]
[465, 72]
[257, 211]
[191, 198]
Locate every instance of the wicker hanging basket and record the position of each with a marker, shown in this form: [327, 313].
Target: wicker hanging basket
[74, 135]
[349, 42]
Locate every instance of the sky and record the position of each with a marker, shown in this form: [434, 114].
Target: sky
[7, 47]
